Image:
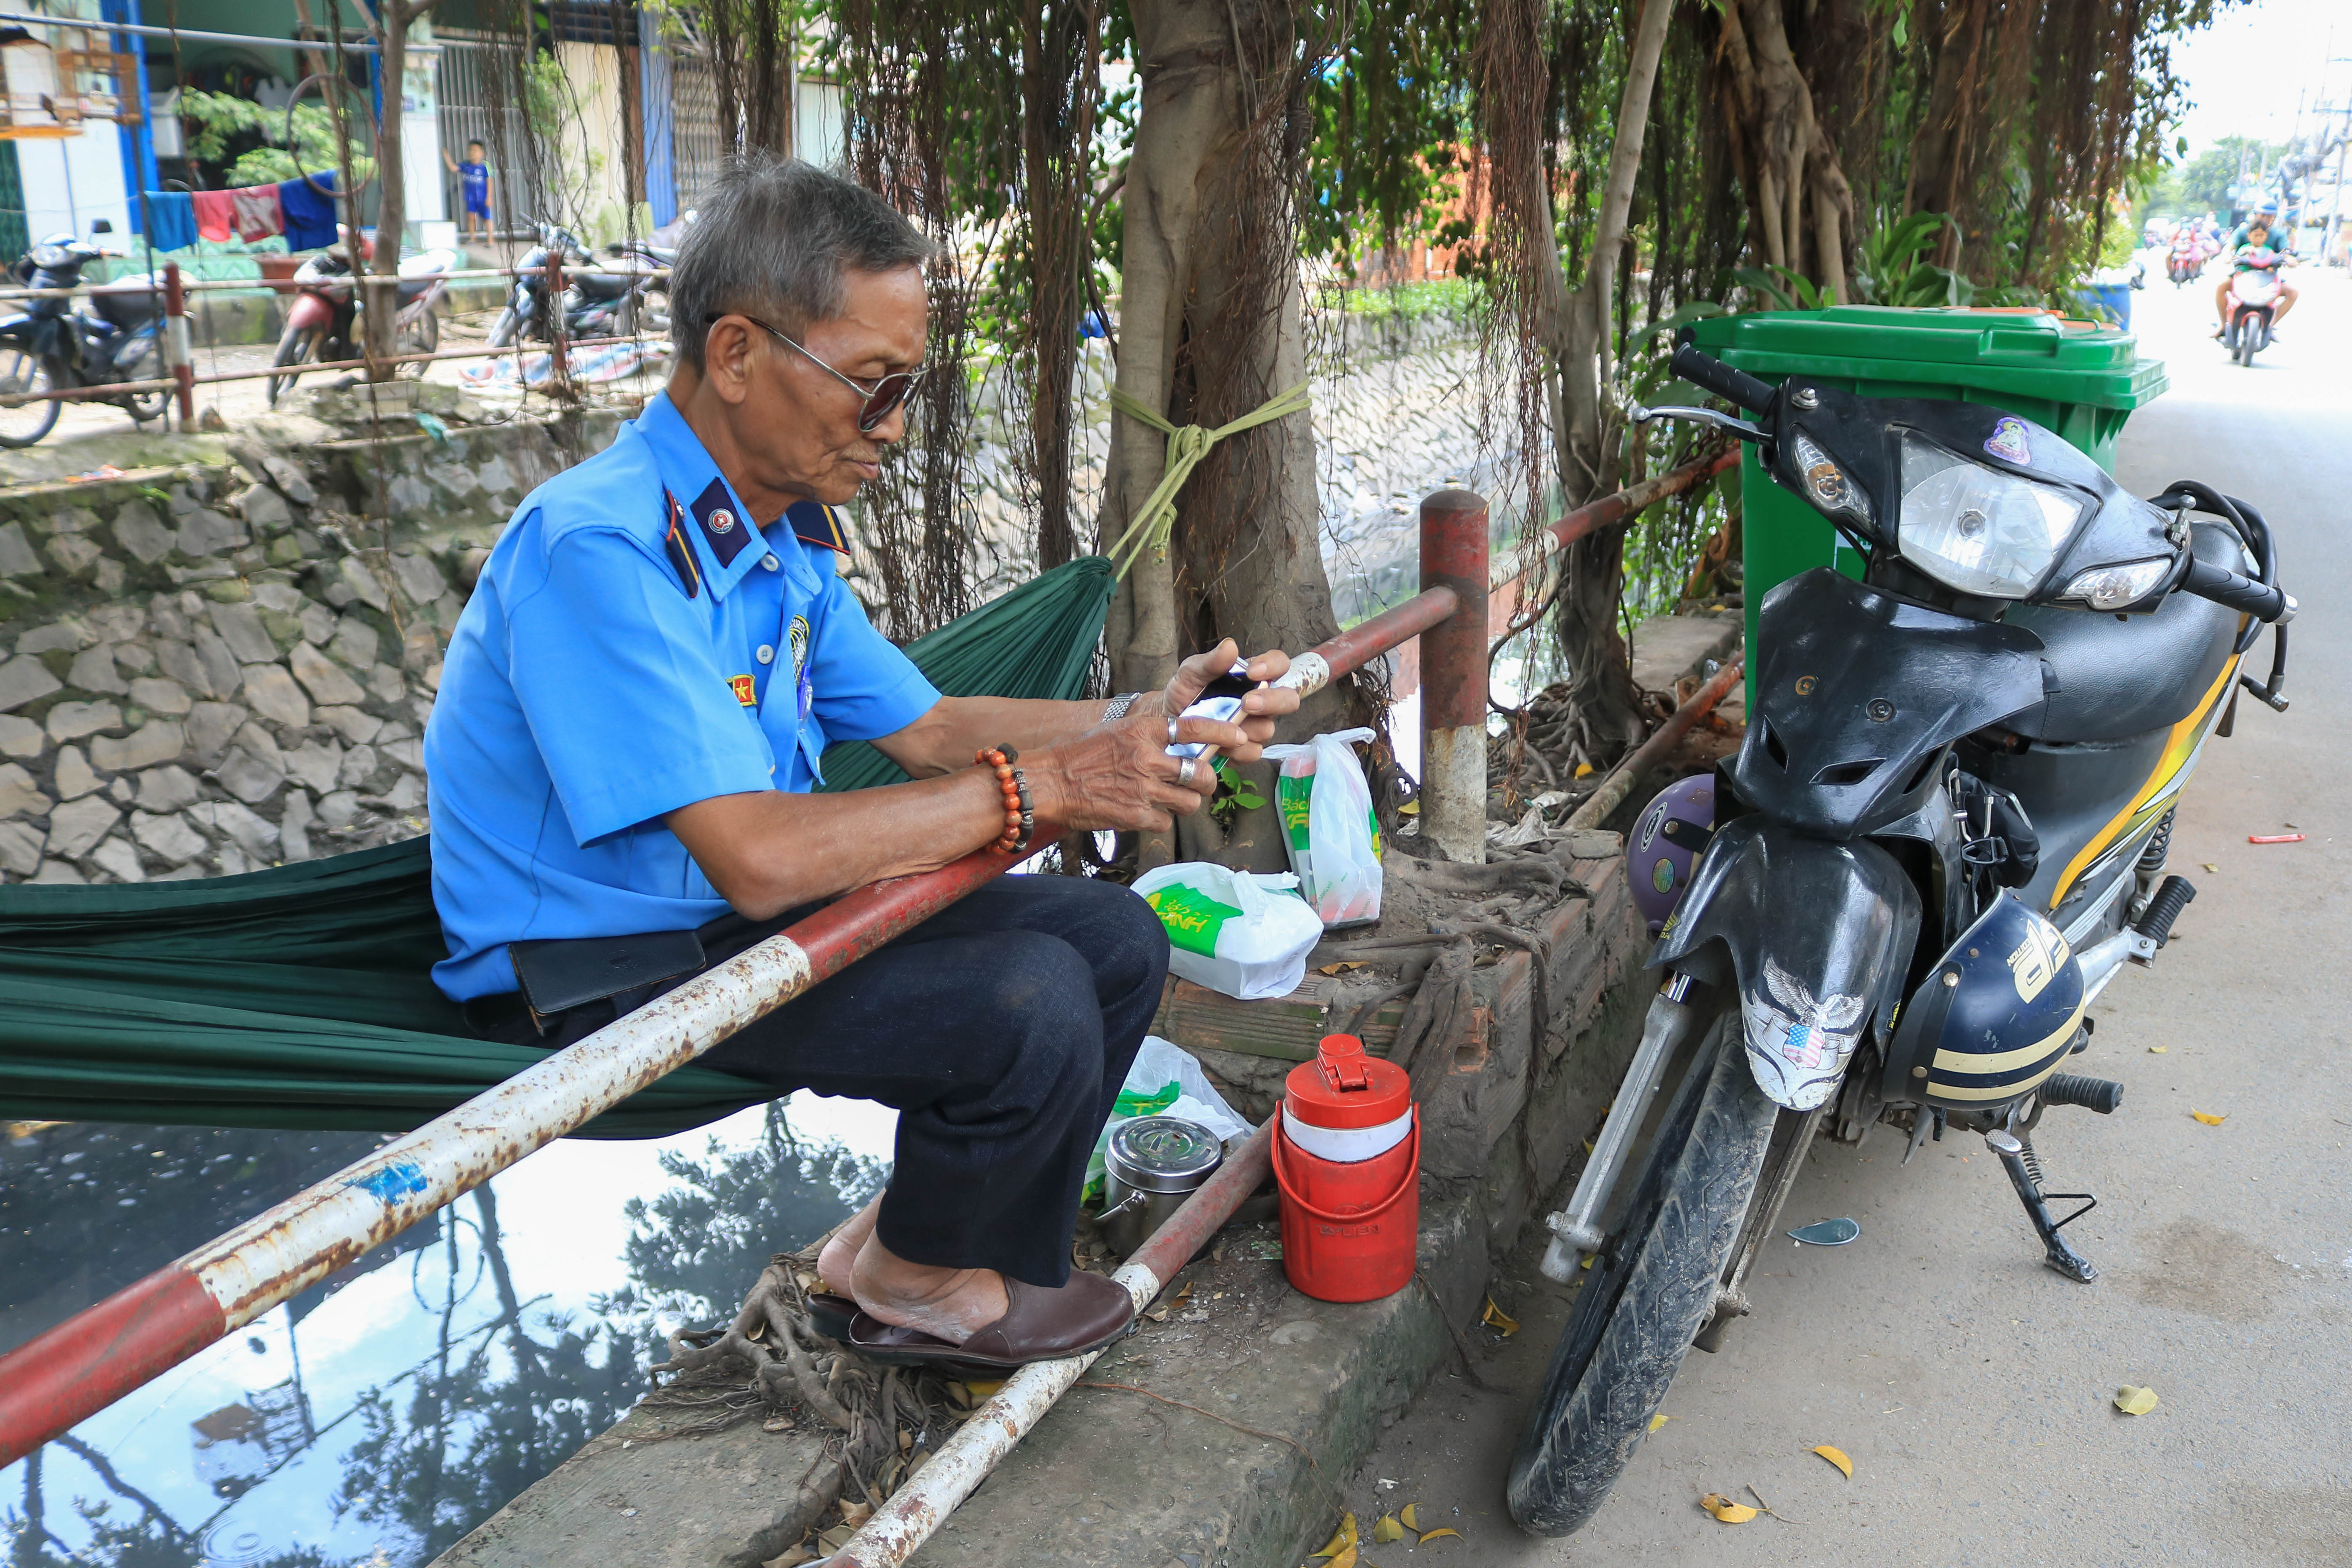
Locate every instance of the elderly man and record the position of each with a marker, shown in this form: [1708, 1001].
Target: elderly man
[631, 719]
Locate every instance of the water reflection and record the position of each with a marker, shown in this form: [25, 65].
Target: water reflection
[378, 1416]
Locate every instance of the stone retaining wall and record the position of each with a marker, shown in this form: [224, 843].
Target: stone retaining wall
[224, 665]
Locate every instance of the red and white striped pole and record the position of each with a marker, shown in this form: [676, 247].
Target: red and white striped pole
[104, 1352]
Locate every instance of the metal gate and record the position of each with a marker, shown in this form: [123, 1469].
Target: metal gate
[467, 93]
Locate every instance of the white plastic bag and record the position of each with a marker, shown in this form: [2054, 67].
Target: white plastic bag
[1245, 935]
[1328, 826]
[1165, 1081]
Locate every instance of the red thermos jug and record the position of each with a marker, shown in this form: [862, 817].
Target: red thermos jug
[1347, 1155]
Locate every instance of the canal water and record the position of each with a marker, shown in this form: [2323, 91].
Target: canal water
[383, 1414]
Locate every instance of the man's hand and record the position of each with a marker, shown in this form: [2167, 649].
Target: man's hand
[1260, 708]
[1120, 776]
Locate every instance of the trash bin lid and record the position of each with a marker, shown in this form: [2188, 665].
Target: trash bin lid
[2029, 352]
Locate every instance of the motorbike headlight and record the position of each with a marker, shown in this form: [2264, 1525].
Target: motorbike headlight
[1976, 528]
[2112, 587]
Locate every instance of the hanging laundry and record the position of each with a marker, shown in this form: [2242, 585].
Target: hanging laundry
[216, 212]
[172, 217]
[308, 211]
[257, 212]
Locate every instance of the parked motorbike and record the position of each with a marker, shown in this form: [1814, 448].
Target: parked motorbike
[114, 336]
[2253, 303]
[599, 302]
[324, 323]
[1943, 836]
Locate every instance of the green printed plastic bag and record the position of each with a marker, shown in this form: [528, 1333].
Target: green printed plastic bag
[1245, 935]
[1164, 1081]
[1328, 826]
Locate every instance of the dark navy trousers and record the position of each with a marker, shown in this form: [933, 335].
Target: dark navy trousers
[1000, 1030]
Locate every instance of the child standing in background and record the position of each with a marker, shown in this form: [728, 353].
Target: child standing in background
[474, 187]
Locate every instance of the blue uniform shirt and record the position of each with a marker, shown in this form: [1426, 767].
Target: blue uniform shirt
[635, 644]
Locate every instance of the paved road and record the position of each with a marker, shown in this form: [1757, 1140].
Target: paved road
[1970, 1385]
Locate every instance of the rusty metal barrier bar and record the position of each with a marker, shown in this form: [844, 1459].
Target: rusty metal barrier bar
[105, 1350]
[922, 1503]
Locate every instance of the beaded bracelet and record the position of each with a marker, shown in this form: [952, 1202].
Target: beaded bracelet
[1020, 818]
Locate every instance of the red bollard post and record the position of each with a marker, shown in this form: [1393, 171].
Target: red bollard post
[178, 355]
[1453, 677]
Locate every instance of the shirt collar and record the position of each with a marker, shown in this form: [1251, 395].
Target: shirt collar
[711, 517]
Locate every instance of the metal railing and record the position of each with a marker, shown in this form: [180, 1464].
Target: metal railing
[78, 1368]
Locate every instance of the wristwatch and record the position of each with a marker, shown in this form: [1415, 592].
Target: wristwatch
[1120, 704]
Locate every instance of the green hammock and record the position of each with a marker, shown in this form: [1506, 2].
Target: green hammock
[300, 996]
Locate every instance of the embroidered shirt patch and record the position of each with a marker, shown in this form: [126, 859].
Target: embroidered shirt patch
[745, 692]
[723, 530]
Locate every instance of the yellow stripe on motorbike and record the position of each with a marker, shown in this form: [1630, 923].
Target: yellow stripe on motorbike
[2179, 747]
[2038, 1060]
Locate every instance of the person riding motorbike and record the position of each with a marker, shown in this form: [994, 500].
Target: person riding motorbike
[2259, 232]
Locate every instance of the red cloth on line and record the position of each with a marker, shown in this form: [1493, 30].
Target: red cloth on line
[257, 212]
[216, 214]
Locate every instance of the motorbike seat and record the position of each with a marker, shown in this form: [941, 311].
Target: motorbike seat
[602, 285]
[413, 290]
[2118, 676]
[127, 301]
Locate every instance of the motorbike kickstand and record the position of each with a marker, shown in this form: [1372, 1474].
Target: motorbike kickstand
[2024, 1174]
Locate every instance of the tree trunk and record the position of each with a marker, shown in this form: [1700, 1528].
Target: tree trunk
[392, 196]
[1600, 679]
[1799, 196]
[1204, 336]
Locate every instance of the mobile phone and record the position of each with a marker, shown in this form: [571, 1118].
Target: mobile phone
[1234, 682]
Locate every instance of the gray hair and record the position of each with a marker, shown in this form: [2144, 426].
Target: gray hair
[773, 239]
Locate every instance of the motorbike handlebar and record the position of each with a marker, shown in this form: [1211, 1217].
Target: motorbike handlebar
[1711, 375]
[2266, 604]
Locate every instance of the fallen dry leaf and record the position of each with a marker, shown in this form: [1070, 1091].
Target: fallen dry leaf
[853, 1514]
[1583, 770]
[777, 1424]
[836, 1537]
[1341, 967]
[1726, 1509]
[1836, 1457]
[1499, 1321]
[1405, 1517]
[2135, 1401]
[1342, 1538]
[1660, 1419]
[985, 1389]
[1386, 1530]
[2157, 1051]
[1444, 1529]
[1347, 1558]
[2209, 1119]
[2213, 867]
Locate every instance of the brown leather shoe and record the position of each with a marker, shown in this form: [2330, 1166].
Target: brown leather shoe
[1084, 1314]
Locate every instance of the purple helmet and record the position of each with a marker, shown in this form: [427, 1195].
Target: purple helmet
[1664, 849]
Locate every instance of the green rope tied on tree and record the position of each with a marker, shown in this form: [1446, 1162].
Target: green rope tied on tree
[1186, 448]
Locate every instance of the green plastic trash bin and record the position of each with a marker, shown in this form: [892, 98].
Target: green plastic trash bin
[2079, 380]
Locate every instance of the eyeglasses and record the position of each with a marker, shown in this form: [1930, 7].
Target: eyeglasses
[881, 398]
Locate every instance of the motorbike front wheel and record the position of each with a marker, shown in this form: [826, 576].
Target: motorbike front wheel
[1648, 1293]
[23, 372]
[146, 364]
[2249, 337]
[502, 331]
[298, 345]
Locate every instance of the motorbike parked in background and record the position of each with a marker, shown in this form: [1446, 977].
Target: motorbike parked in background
[115, 336]
[1943, 835]
[606, 301]
[325, 322]
[2253, 302]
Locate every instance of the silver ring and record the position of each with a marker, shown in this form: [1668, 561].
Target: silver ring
[1171, 731]
[1184, 771]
